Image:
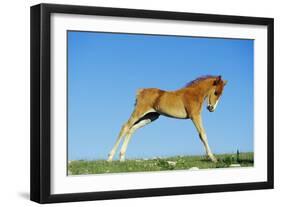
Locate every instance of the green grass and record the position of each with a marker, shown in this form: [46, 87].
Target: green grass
[82, 167]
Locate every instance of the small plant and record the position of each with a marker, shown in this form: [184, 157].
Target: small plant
[237, 156]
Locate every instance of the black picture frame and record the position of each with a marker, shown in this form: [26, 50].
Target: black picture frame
[41, 98]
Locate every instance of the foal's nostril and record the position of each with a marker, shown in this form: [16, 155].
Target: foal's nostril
[210, 108]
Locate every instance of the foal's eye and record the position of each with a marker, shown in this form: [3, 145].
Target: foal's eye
[216, 93]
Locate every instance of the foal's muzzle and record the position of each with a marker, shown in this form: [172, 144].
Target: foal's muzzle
[210, 108]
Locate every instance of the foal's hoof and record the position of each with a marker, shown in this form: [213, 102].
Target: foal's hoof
[122, 159]
[214, 160]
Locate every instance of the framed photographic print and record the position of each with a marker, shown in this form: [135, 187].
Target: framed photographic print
[133, 103]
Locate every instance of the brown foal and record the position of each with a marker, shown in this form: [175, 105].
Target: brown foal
[185, 103]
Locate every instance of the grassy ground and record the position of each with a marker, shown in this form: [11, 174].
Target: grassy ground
[82, 167]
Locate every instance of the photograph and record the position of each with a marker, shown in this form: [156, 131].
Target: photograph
[129, 103]
[152, 102]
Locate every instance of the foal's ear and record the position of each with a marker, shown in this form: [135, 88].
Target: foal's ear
[218, 79]
[224, 82]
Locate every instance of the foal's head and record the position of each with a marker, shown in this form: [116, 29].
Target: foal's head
[215, 93]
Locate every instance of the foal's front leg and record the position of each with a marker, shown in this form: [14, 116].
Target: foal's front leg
[199, 126]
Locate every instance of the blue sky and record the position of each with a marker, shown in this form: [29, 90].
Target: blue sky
[105, 70]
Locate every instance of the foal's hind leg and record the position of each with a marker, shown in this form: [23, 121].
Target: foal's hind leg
[199, 126]
[128, 138]
[136, 115]
[123, 132]
[146, 119]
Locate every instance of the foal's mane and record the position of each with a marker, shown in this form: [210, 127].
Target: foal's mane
[198, 80]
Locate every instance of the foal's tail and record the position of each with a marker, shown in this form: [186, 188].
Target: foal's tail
[139, 91]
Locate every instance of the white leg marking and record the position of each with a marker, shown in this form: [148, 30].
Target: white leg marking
[112, 152]
[129, 135]
[123, 131]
